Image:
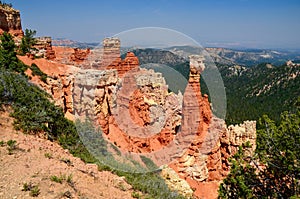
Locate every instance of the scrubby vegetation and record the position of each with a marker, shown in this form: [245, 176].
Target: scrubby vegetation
[34, 189]
[28, 41]
[11, 146]
[33, 112]
[58, 179]
[37, 71]
[48, 155]
[274, 170]
[5, 5]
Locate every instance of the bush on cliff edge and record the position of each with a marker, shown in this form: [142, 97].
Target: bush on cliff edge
[274, 171]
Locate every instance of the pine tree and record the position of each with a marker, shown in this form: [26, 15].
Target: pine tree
[8, 55]
[28, 41]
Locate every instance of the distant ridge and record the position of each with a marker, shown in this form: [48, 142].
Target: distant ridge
[72, 43]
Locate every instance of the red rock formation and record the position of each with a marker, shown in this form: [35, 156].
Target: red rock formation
[50, 53]
[126, 101]
[111, 52]
[44, 47]
[130, 62]
[204, 163]
[139, 109]
[132, 114]
[10, 22]
[192, 164]
[112, 59]
[79, 55]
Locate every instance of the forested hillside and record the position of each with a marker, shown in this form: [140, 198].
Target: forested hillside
[252, 92]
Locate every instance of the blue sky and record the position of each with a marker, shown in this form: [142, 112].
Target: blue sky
[225, 23]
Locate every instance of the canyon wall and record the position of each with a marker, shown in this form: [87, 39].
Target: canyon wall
[10, 21]
[44, 48]
[143, 101]
[138, 114]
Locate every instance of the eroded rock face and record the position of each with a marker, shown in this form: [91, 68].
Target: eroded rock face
[10, 21]
[93, 95]
[206, 171]
[176, 183]
[237, 135]
[111, 53]
[61, 88]
[111, 58]
[44, 48]
[143, 99]
[79, 55]
[138, 114]
[59, 84]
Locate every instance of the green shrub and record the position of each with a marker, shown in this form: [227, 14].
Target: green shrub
[35, 191]
[11, 146]
[48, 155]
[69, 179]
[58, 179]
[27, 186]
[28, 41]
[37, 71]
[135, 195]
[273, 171]
[149, 163]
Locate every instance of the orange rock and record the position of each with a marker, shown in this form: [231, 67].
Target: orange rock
[10, 21]
[139, 109]
[59, 84]
[79, 55]
[143, 98]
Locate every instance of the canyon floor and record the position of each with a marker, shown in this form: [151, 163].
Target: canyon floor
[36, 161]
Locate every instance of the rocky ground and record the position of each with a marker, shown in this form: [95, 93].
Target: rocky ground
[38, 162]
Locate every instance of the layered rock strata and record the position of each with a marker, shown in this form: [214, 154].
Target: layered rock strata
[44, 48]
[79, 55]
[138, 114]
[142, 97]
[10, 21]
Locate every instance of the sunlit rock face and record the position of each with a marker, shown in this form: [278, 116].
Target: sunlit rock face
[138, 114]
[10, 21]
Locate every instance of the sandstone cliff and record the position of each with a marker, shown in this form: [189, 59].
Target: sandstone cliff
[138, 114]
[44, 48]
[10, 21]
